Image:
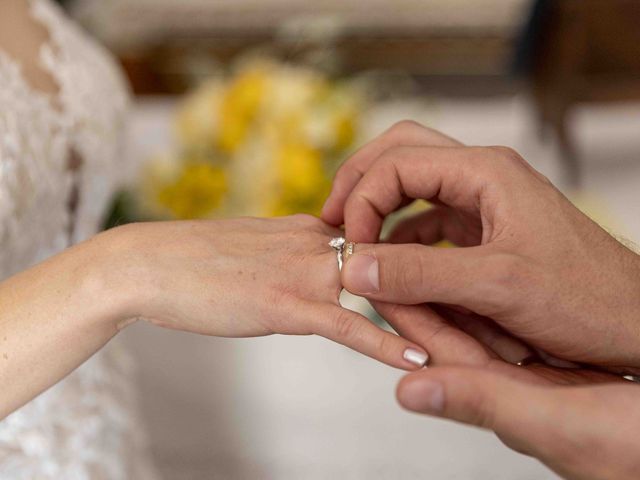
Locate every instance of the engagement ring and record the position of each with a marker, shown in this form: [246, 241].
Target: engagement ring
[342, 248]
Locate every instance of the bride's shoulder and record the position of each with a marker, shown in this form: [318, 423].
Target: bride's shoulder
[44, 51]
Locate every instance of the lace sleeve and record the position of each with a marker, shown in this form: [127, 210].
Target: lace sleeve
[31, 151]
[63, 106]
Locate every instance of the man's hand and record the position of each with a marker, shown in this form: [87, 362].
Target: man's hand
[534, 267]
[581, 432]
[568, 418]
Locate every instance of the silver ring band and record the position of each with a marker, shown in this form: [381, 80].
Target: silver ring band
[337, 244]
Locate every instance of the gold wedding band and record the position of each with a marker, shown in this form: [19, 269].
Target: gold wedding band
[348, 250]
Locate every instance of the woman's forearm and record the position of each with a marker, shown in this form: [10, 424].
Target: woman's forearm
[52, 318]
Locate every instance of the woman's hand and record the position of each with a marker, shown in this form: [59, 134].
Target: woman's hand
[244, 277]
[534, 265]
[231, 278]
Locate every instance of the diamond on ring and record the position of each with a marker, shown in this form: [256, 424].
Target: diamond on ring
[343, 249]
[337, 243]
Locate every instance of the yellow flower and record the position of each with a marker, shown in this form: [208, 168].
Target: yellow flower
[345, 129]
[240, 105]
[197, 118]
[196, 192]
[264, 141]
[303, 181]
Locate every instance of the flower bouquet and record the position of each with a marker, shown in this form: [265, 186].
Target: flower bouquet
[263, 140]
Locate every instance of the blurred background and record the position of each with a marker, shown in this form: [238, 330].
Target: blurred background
[249, 106]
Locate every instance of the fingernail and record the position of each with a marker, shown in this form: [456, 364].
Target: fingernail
[416, 357]
[362, 274]
[426, 396]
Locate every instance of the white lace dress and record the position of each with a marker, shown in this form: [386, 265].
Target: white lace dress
[60, 160]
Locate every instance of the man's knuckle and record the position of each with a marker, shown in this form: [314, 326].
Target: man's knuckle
[507, 154]
[486, 160]
[391, 155]
[543, 179]
[404, 126]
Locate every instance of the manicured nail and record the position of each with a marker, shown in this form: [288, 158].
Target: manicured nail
[426, 396]
[362, 274]
[416, 357]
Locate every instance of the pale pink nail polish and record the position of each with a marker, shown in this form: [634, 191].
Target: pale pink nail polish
[416, 357]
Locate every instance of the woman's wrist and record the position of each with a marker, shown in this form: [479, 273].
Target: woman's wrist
[55, 315]
[106, 279]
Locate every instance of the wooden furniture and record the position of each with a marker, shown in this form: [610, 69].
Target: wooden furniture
[586, 51]
[160, 41]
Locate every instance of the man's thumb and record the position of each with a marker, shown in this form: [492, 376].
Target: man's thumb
[519, 413]
[576, 430]
[412, 274]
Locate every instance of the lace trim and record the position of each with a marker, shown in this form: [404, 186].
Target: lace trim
[86, 426]
[78, 95]
[30, 171]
